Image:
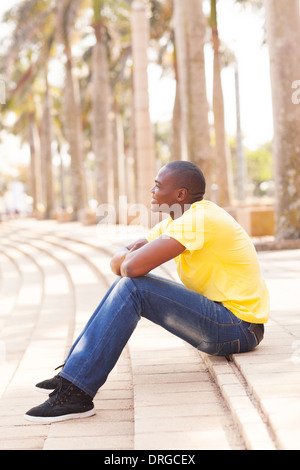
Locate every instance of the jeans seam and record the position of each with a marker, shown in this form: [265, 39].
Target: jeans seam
[219, 345]
[244, 330]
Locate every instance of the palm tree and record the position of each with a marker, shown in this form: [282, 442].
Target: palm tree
[106, 60]
[38, 37]
[144, 142]
[66, 15]
[189, 26]
[101, 97]
[283, 36]
[222, 157]
[26, 126]
[46, 152]
[42, 20]
[35, 180]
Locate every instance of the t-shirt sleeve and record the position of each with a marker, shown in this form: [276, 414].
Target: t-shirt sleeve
[189, 230]
[157, 230]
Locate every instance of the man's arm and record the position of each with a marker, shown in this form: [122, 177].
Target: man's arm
[121, 254]
[141, 261]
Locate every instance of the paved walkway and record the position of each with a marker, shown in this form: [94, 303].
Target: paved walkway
[162, 394]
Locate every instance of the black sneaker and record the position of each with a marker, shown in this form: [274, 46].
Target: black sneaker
[66, 402]
[49, 385]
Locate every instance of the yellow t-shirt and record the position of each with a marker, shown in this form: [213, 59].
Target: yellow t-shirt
[220, 261]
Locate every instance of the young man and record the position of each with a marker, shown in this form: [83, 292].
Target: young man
[220, 308]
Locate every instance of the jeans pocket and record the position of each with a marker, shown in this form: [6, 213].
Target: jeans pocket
[220, 349]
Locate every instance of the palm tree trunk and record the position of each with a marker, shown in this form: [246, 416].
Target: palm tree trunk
[74, 136]
[66, 11]
[119, 164]
[46, 152]
[283, 32]
[144, 141]
[121, 161]
[100, 109]
[241, 161]
[63, 203]
[222, 160]
[176, 121]
[182, 72]
[35, 166]
[189, 26]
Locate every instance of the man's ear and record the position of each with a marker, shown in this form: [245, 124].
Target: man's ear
[182, 195]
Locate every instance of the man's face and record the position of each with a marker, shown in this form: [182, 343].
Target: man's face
[165, 194]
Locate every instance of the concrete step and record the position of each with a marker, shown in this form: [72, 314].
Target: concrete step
[162, 394]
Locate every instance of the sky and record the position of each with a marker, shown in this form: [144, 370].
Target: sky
[243, 32]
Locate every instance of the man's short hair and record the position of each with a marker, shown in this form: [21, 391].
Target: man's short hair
[189, 176]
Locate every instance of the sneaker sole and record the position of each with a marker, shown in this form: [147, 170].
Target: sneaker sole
[55, 419]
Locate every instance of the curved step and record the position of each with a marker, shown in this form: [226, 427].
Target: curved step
[173, 390]
[162, 393]
[113, 424]
[10, 284]
[21, 319]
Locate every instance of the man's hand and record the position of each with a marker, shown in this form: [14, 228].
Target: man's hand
[121, 254]
[138, 244]
[140, 261]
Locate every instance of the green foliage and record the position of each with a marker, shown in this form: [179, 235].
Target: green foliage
[260, 164]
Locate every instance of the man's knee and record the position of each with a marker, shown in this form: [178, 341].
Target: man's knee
[125, 282]
[126, 287]
[132, 282]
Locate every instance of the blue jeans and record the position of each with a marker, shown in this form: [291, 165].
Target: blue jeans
[206, 325]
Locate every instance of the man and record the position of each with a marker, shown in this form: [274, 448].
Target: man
[220, 308]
